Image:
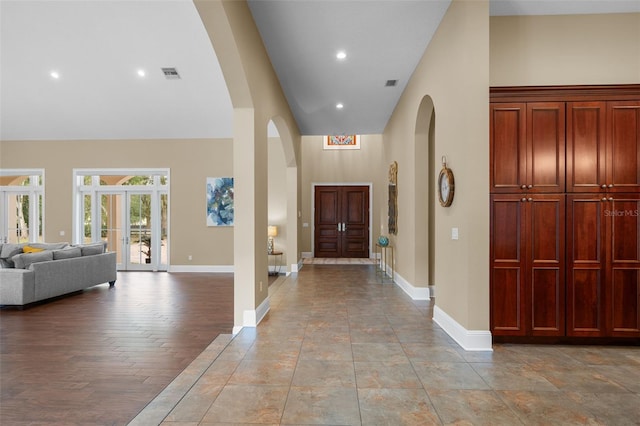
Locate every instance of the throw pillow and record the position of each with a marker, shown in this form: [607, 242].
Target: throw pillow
[92, 249]
[30, 249]
[67, 253]
[24, 260]
[8, 251]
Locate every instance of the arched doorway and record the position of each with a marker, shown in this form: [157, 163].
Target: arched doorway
[425, 177]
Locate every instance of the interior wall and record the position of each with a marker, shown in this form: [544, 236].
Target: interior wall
[454, 72]
[565, 50]
[342, 166]
[190, 161]
[277, 189]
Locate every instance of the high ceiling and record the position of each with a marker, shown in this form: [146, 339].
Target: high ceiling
[97, 48]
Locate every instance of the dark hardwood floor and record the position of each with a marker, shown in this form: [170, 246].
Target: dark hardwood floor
[99, 356]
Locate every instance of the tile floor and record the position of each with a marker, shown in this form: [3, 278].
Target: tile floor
[339, 348]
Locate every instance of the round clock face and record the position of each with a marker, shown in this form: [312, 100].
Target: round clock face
[445, 187]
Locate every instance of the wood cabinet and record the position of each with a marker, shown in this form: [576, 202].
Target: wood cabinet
[603, 146]
[527, 147]
[527, 264]
[573, 150]
[603, 265]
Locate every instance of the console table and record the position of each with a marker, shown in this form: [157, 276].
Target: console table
[277, 262]
[383, 253]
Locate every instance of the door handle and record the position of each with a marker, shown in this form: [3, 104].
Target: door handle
[339, 229]
[344, 227]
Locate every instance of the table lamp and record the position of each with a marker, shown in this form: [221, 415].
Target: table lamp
[272, 231]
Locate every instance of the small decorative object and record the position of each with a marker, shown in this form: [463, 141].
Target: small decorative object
[272, 231]
[220, 201]
[383, 241]
[342, 142]
[393, 198]
[446, 184]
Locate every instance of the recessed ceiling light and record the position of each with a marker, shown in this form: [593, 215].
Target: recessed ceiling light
[54, 74]
[339, 106]
[341, 54]
[141, 73]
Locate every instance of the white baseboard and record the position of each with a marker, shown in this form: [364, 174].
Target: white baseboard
[295, 267]
[416, 293]
[202, 268]
[307, 255]
[470, 340]
[251, 318]
[237, 329]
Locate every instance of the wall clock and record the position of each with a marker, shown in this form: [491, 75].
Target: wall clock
[446, 185]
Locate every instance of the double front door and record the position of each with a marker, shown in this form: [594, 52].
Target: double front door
[341, 221]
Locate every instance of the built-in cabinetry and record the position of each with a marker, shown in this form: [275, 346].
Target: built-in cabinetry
[565, 212]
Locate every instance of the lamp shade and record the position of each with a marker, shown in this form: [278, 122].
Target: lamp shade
[272, 231]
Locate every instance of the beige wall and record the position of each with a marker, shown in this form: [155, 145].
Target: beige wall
[257, 99]
[190, 162]
[342, 166]
[454, 75]
[559, 50]
[278, 199]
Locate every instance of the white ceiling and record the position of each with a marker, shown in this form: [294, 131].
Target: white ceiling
[97, 46]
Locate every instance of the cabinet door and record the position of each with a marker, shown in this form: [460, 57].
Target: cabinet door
[623, 274]
[507, 265]
[508, 147]
[585, 265]
[545, 284]
[623, 146]
[586, 141]
[545, 130]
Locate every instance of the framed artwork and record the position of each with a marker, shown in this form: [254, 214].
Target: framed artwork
[393, 198]
[220, 201]
[342, 142]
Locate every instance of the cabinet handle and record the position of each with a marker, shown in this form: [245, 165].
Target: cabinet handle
[610, 185]
[524, 187]
[604, 198]
[610, 198]
[529, 186]
[530, 199]
[604, 186]
[523, 199]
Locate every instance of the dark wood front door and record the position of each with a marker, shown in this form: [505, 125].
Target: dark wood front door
[341, 221]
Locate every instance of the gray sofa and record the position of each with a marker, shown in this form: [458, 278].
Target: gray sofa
[56, 270]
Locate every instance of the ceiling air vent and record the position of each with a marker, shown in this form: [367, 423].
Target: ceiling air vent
[391, 83]
[171, 73]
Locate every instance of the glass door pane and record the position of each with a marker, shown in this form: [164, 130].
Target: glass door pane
[139, 229]
[164, 223]
[111, 226]
[17, 218]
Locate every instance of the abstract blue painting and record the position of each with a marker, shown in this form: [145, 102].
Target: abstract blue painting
[220, 201]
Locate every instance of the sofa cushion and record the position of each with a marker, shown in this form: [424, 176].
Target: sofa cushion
[24, 260]
[92, 249]
[49, 246]
[9, 250]
[67, 253]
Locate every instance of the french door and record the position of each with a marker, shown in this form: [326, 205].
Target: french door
[127, 220]
[341, 221]
[21, 206]
[130, 214]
